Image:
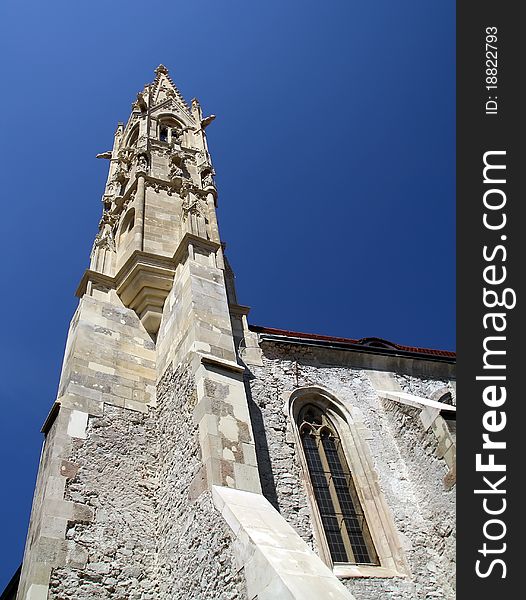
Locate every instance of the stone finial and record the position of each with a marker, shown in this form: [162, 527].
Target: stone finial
[161, 69]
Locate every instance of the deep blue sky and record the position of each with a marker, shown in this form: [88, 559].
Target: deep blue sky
[334, 147]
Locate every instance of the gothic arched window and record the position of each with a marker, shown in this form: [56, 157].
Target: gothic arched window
[342, 516]
[127, 225]
[170, 130]
[133, 137]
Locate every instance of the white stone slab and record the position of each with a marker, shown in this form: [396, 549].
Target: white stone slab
[78, 422]
[281, 562]
[37, 592]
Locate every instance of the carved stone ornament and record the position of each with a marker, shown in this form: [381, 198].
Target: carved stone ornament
[160, 148]
[142, 141]
[125, 158]
[204, 163]
[177, 161]
[180, 156]
[140, 103]
[189, 157]
[157, 186]
[142, 163]
[121, 176]
[121, 203]
[107, 201]
[108, 219]
[177, 135]
[192, 205]
[175, 171]
[206, 121]
[111, 188]
[105, 238]
[169, 91]
[208, 179]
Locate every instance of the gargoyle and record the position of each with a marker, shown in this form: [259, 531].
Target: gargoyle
[206, 121]
[141, 102]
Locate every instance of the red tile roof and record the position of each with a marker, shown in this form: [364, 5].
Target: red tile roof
[378, 343]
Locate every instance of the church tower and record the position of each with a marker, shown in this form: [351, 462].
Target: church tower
[189, 455]
[149, 468]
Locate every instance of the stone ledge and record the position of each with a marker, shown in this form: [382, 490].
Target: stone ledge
[50, 419]
[221, 363]
[415, 401]
[239, 309]
[365, 571]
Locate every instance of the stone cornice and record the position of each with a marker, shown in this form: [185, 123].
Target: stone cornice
[52, 415]
[192, 239]
[145, 279]
[239, 309]
[94, 277]
[154, 261]
[174, 185]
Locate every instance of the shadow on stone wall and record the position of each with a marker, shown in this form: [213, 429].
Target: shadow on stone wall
[268, 485]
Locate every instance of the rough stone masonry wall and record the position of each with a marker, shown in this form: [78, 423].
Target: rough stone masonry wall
[409, 473]
[156, 534]
[436, 507]
[427, 388]
[195, 558]
[113, 471]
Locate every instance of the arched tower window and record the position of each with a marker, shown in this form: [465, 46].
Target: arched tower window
[127, 225]
[342, 516]
[163, 133]
[133, 137]
[170, 130]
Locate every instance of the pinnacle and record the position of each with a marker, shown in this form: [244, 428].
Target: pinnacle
[160, 71]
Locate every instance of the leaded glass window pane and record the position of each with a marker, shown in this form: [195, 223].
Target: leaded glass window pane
[341, 513]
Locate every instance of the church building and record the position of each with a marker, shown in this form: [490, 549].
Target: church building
[193, 455]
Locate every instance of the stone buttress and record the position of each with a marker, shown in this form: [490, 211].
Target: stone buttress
[149, 471]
